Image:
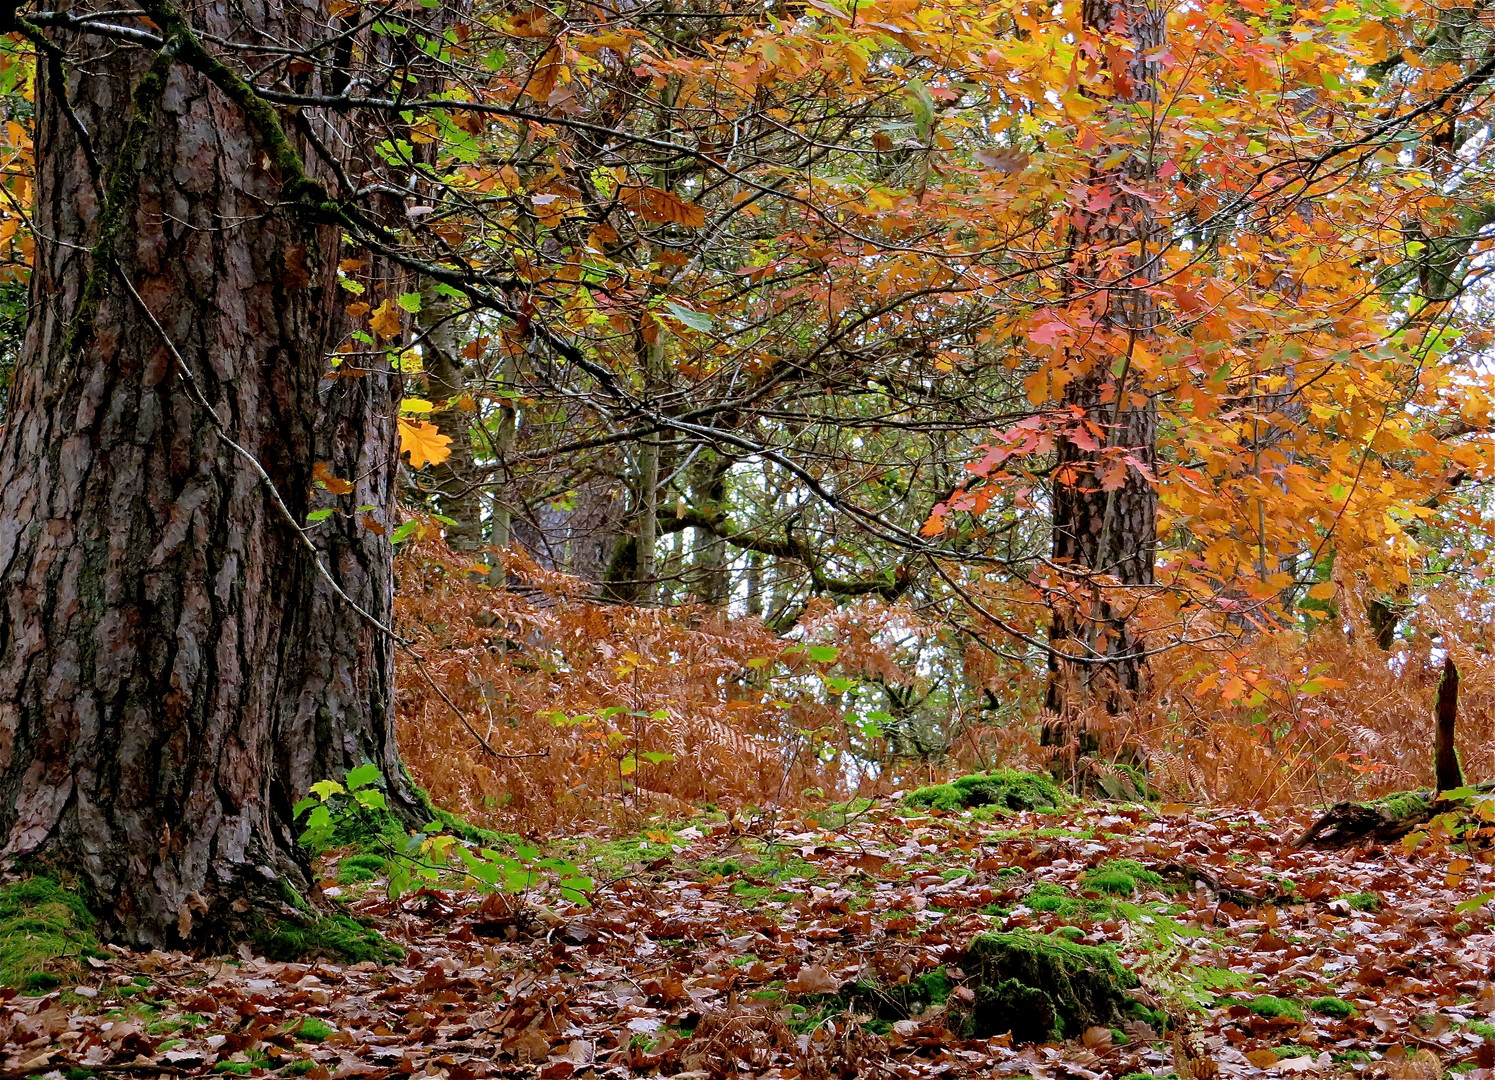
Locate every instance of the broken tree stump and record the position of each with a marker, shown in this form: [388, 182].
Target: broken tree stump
[1392, 817]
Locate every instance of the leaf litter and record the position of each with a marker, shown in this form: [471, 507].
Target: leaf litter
[818, 952]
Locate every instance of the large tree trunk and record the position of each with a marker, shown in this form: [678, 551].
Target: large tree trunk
[173, 672]
[1106, 538]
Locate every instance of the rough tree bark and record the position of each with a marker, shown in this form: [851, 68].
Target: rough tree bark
[1099, 532]
[173, 671]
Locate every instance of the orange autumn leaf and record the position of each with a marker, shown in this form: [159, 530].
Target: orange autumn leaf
[322, 473]
[386, 320]
[423, 442]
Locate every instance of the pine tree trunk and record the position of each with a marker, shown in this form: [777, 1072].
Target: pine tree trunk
[1100, 533]
[173, 673]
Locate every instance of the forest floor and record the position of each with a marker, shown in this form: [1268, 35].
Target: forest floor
[826, 951]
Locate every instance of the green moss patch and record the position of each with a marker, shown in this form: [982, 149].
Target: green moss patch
[45, 931]
[336, 937]
[313, 1030]
[1043, 988]
[1271, 1007]
[1333, 1007]
[365, 866]
[1363, 901]
[1005, 789]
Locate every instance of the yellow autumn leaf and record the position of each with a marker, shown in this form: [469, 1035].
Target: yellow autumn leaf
[416, 405]
[1322, 591]
[423, 442]
[386, 320]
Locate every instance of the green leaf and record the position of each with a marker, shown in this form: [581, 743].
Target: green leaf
[921, 104]
[404, 532]
[1474, 903]
[319, 515]
[822, 654]
[656, 757]
[303, 806]
[362, 776]
[326, 789]
[371, 799]
[696, 320]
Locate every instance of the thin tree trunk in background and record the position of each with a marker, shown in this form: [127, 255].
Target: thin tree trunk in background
[1111, 533]
[647, 519]
[755, 584]
[709, 571]
[500, 516]
[172, 671]
[446, 382]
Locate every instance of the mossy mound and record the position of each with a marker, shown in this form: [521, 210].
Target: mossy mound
[1363, 901]
[1271, 1007]
[1051, 896]
[1005, 789]
[335, 937]
[1043, 988]
[1333, 1007]
[44, 932]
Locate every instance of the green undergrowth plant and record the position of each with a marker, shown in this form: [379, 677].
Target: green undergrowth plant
[1333, 1007]
[45, 932]
[1004, 789]
[336, 812]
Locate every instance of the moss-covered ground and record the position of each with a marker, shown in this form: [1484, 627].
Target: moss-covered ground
[46, 931]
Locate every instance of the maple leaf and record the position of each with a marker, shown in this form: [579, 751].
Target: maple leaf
[423, 442]
[386, 320]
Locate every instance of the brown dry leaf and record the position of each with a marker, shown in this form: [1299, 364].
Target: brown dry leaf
[1262, 1059]
[664, 207]
[1097, 1038]
[1002, 160]
[813, 979]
